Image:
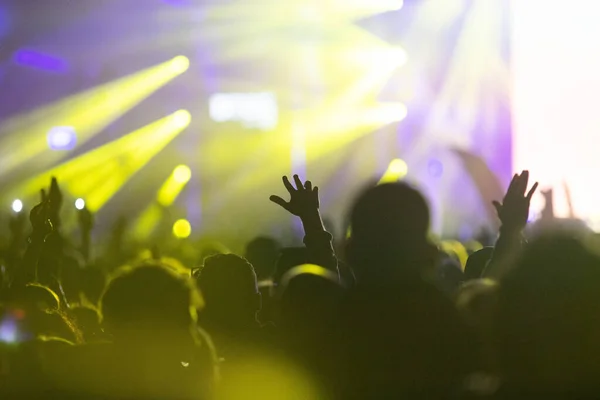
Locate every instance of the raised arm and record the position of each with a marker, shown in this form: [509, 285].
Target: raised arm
[304, 203]
[513, 213]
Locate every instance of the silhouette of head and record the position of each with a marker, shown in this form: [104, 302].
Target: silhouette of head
[310, 294]
[390, 225]
[262, 253]
[548, 321]
[289, 258]
[477, 262]
[41, 309]
[229, 286]
[149, 298]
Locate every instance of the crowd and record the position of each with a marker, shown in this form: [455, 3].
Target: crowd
[389, 315]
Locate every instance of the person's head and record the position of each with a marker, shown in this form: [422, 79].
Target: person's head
[477, 262]
[389, 233]
[149, 299]
[548, 317]
[289, 258]
[41, 313]
[88, 320]
[309, 294]
[262, 253]
[229, 286]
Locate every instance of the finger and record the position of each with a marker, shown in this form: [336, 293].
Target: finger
[298, 182]
[288, 185]
[497, 206]
[279, 201]
[524, 182]
[43, 195]
[316, 192]
[513, 184]
[308, 185]
[532, 191]
[53, 185]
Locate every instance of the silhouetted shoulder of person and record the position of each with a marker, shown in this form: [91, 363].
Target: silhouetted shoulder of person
[402, 339]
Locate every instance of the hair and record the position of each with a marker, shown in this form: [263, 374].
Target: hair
[44, 314]
[262, 253]
[389, 226]
[224, 273]
[229, 285]
[149, 296]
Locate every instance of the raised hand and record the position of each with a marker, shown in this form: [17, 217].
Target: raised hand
[40, 217]
[55, 200]
[304, 198]
[514, 210]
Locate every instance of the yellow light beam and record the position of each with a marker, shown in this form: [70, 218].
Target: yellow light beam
[148, 220]
[174, 184]
[25, 136]
[97, 175]
[396, 171]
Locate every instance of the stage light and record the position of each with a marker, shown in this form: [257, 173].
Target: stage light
[181, 118]
[46, 62]
[396, 171]
[62, 138]
[98, 174]
[80, 204]
[253, 110]
[398, 167]
[87, 113]
[182, 174]
[17, 205]
[182, 229]
[435, 168]
[397, 5]
[180, 64]
[174, 184]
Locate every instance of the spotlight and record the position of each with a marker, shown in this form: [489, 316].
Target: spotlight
[180, 64]
[182, 229]
[435, 168]
[396, 171]
[182, 174]
[398, 167]
[80, 204]
[17, 205]
[398, 4]
[182, 118]
[62, 138]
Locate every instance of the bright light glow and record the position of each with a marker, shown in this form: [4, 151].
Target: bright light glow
[25, 136]
[62, 138]
[9, 332]
[398, 167]
[398, 6]
[80, 204]
[180, 64]
[98, 174]
[253, 110]
[17, 205]
[396, 171]
[182, 118]
[182, 174]
[173, 186]
[182, 229]
[555, 62]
